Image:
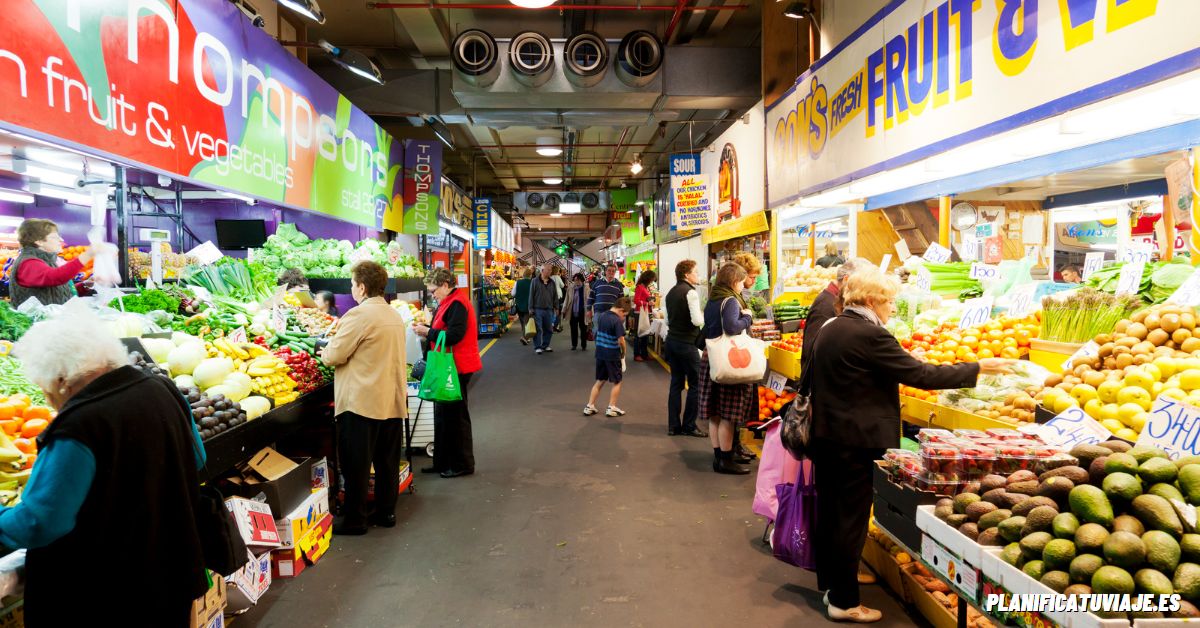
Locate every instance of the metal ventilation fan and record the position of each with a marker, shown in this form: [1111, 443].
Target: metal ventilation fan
[534, 200]
[591, 200]
[963, 216]
[552, 201]
[571, 197]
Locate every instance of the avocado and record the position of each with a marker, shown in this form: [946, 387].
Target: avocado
[990, 538]
[1039, 520]
[1084, 566]
[1166, 491]
[972, 487]
[1162, 550]
[1152, 581]
[1034, 569]
[1012, 500]
[1186, 609]
[1024, 475]
[1056, 580]
[1121, 463]
[1058, 554]
[992, 482]
[954, 521]
[1189, 548]
[1118, 446]
[1121, 487]
[969, 530]
[1124, 549]
[1010, 528]
[1091, 505]
[1157, 470]
[993, 519]
[995, 496]
[1078, 589]
[1142, 453]
[1077, 475]
[1087, 453]
[978, 509]
[1090, 537]
[1024, 488]
[1186, 460]
[962, 500]
[1011, 554]
[1127, 523]
[1110, 579]
[1024, 508]
[1189, 483]
[1187, 580]
[1033, 544]
[942, 512]
[1064, 526]
[1096, 470]
[1158, 514]
[1056, 488]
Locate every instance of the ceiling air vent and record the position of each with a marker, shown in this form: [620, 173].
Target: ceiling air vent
[531, 58]
[534, 200]
[585, 59]
[591, 200]
[639, 58]
[552, 201]
[476, 57]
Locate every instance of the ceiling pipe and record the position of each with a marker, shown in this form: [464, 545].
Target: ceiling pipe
[674, 21]
[555, 7]
[616, 153]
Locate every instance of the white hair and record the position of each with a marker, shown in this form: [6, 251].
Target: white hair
[851, 266]
[67, 347]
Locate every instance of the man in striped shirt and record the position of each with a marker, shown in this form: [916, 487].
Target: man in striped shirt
[605, 292]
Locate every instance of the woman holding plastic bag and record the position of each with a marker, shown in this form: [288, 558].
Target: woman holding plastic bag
[36, 273]
[454, 328]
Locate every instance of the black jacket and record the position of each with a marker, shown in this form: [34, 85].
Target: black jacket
[821, 310]
[855, 374]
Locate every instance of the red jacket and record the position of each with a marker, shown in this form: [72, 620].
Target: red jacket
[466, 350]
[641, 298]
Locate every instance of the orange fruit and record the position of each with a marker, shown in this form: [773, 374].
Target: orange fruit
[33, 427]
[1010, 353]
[986, 353]
[37, 412]
[12, 427]
[26, 445]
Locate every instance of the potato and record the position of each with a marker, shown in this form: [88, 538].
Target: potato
[1151, 321]
[1138, 331]
[1169, 322]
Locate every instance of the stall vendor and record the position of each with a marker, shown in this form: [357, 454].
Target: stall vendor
[1070, 274]
[293, 280]
[36, 272]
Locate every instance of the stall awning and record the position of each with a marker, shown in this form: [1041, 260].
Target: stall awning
[738, 228]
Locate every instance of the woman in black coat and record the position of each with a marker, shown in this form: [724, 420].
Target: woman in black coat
[855, 369]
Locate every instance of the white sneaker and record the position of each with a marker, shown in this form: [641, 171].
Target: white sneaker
[549, 349]
[538, 351]
[589, 410]
[614, 411]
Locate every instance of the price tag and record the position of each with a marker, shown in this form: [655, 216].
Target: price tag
[1089, 350]
[924, 280]
[1130, 280]
[1092, 262]
[206, 253]
[201, 293]
[278, 320]
[1172, 426]
[955, 570]
[968, 249]
[1138, 253]
[1188, 293]
[885, 262]
[937, 254]
[984, 272]
[776, 382]
[1020, 300]
[975, 312]
[1072, 427]
[902, 249]
[237, 335]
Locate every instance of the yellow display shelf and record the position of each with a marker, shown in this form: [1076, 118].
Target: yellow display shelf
[784, 362]
[927, 414]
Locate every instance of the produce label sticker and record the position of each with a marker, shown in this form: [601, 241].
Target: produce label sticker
[1173, 426]
[776, 382]
[1092, 262]
[1021, 301]
[885, 262]
[1130, 280]
[1188, 293]
[937, 254]
[924, 280]
[984, 272]
[1089, 350]
[237, 335]
[1072, 427]
[975, 312]
[962, 576]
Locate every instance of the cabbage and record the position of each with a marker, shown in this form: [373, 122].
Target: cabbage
[185, 357]
[213, 371]
[158, 348]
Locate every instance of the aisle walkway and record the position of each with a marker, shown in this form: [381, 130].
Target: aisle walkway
[569, 521]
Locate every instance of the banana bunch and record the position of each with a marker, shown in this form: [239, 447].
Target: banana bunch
[263, 366]
[275, 385]
[13, 475]
[242, 353]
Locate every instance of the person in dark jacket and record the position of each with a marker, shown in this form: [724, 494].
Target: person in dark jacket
[826, 307]
[119, 433]
[725, 405]
[543, 303]
[453, 452]
[574, 310]
[521, 299]
[36, 271]
[831, 257]
[685, 319]
[853, 378]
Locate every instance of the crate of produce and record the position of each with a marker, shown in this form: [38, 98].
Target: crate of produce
[783, 361]
[793, 306]
[886, 558]
[932, 604]
[1051, 355]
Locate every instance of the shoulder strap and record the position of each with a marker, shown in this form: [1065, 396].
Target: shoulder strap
[721, 315]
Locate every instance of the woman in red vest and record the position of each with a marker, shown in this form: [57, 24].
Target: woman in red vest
[453, 451]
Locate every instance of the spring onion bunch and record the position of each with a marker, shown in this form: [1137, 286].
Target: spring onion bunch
[951, 277]
[1081, 315]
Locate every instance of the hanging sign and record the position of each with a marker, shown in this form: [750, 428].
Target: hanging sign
[422, 186]
[690, 194]
[482, 208]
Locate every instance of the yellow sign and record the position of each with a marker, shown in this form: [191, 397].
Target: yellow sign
[737, 228]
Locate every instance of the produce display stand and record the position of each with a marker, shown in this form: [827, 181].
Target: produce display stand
[401, 285]
[927, 414]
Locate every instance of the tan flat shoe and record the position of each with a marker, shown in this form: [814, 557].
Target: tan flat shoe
[866, 577]
[859, 614]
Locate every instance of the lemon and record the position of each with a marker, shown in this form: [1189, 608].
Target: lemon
[1126, 434]
[1093, 408]
[1138, 422]
[1108, 411]
[1112, 425]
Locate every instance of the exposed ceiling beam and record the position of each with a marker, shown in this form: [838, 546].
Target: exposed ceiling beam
[680, 7]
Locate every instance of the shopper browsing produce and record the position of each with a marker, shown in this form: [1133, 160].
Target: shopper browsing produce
[521, 298]
[574, 305]
[853, 376]
[36, 273]
[684, 320]
[557, 275]
[293, 280]
[543, 302]
[754, 268]
[120, 433]
[454, 323]
[826, 307]
[643, 302]
[370, 399]
[325, 302]
[724, 406]
[610, 357]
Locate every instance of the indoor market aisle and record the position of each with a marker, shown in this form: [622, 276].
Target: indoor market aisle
[568, 521]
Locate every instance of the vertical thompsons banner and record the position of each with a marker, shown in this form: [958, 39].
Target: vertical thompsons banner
[422, 186]
[482, 208]
[691, 194]
[191, 89]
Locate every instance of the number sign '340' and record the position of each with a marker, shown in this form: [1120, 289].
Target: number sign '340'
[1172, 426]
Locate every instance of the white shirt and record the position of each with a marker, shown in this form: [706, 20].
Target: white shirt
[693, 302]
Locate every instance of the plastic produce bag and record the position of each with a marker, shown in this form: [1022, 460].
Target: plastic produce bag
[440, 382]
[105, 270]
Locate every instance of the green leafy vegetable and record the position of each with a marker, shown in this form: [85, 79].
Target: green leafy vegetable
[146, 301]
[13, 324]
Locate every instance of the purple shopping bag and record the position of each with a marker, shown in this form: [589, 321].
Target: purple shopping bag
[794, 536]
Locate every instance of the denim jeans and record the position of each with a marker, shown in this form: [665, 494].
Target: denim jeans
[544, 318]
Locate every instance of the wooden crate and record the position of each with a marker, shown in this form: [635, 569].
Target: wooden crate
[937, 615]
[885, 567]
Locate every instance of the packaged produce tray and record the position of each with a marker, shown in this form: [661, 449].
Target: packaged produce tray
[928, 414]
[784, 362]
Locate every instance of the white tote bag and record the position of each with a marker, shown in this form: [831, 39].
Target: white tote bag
[737, 359]
[643, 323]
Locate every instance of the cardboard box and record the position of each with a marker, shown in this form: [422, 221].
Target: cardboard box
[211, 606]
[248, 584]
[255, 521]
[406, 480]
[275, 479]
[297, 522]
[310, 547]
[320, 474]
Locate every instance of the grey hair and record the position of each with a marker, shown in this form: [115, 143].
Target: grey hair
[70, 346]
[850, 266]
[440, 277]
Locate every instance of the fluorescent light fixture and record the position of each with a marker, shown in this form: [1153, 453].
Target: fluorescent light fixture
[69, 196]
[241, 197]
[308, 8]
[570, 208]
[548, 147]
[636, 166]
[44, 174]
[440, 130]
[353, 61]
[556, 215]
[15, 196]
[457, 230]
[640, 203]
[551, 177]
[533, 4]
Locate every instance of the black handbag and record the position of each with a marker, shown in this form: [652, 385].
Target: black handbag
[797, 418]
[220, 539]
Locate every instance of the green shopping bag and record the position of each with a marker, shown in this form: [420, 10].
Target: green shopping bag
[440, 382]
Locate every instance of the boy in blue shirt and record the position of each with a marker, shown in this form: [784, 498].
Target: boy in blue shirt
[610, 352]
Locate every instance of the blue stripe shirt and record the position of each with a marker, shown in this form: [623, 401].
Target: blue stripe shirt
[610, 328]
[604, 294]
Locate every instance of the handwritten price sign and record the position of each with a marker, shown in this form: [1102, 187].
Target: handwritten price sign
[937, 254]
[984, 272]
[1130, 280]
[1020, 300]
[1072, 427]
[1188, 293]
[1089, 350]
[1092, 262]
[1174, 427]
[976, 312]
[924, 280]
[1138, 253]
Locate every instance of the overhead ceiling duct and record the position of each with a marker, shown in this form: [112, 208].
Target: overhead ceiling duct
[585, 59]
[639, 58]
[531, 58]
[476, 57]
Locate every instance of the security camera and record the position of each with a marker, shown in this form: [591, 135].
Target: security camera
[250, 12]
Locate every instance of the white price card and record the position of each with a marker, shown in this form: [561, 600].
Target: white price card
[1089, 350]
[984, 272]
[937, 254]
[975, 312]
[885, 262]
[1092, 262]
[776, 382]
[206, 253]
[1072, 427]
[1173, 426]
[902, 249]
[1021, 301]
[1187, 293]
[968, 249]
[924, 279]
[278, 319]
[237, 335]
[1130, 280]
[1138, 253]
[201, 293]
[808, 262]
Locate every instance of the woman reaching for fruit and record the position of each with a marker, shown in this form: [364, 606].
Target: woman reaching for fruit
[36, 273]
[854, 371]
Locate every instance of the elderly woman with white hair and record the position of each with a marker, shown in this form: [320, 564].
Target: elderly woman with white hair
[116, 471]
[853, 375]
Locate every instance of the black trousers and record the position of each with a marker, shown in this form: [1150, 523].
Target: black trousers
[453, 445]
[684, 360]
[523, 317]
[363, 442]
[579, 332]
[843, 511]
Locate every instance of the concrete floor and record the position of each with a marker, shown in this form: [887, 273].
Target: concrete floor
[568, 521]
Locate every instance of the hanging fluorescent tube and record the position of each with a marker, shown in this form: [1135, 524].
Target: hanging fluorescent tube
[15, 196]
[245, 199]
[68, 196]
[307, 8]
[354, 61]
